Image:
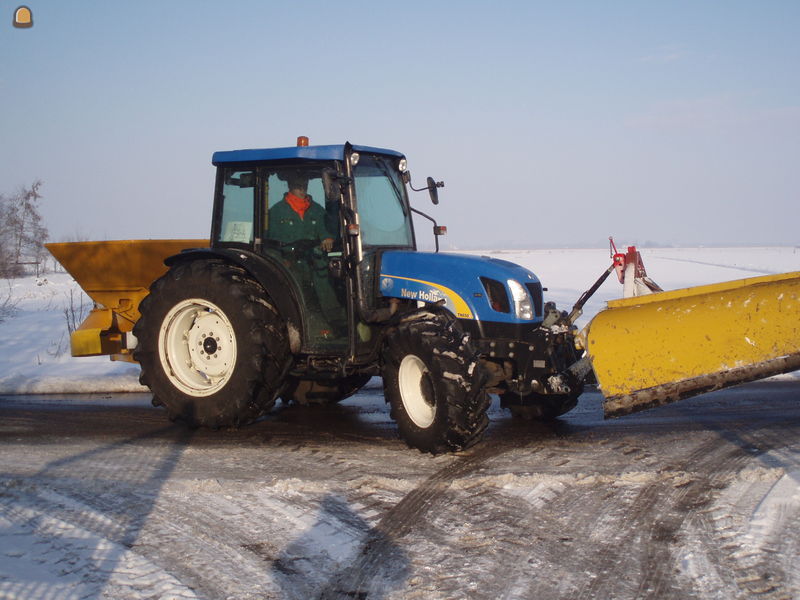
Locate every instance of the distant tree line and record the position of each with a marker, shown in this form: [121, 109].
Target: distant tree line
[22, 232]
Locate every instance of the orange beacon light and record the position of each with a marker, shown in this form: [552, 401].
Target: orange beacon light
[23, 17]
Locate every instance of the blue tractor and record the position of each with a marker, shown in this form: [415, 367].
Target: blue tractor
[312, 284]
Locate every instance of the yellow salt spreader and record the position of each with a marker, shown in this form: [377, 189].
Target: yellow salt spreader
[116, 275]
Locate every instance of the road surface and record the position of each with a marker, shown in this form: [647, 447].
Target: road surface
[102, 497]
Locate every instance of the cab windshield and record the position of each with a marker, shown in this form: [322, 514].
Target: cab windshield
[382, 207]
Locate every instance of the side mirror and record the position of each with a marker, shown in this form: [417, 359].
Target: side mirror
[433, 191]
[431, 187]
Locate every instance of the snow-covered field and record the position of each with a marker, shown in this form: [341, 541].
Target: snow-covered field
[102, 497]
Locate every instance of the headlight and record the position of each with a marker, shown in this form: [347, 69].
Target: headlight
[354, 159]
[523, 306]
[402, 166]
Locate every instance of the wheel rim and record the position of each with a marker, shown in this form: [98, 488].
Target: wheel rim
[197, 347]
[414, 382]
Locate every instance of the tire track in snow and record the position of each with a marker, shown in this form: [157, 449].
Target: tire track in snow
[537, 539]
[709, 469]
[752, 547]
[103, 495]
[580, 553]
[425, 516]
[624, 545]
[375, 568]
[662, 508]
[66, 550]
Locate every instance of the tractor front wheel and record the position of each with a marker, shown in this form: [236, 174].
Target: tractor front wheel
[434, 382]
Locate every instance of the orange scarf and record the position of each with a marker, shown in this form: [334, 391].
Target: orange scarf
[299, 205]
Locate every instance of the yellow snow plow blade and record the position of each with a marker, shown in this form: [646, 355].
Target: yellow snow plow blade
[655, 349]
[117, 276]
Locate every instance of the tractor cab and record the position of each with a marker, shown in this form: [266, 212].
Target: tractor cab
[320, 216]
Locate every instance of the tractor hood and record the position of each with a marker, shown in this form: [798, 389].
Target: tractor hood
[471, 287]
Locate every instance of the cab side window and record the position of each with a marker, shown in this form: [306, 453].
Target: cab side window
[238, 191]
[384, 218]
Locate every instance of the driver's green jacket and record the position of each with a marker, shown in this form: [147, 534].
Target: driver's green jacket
[308, 266]
[285, 225]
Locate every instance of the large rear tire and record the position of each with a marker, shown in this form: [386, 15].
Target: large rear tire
[434, 384]
[211, 345]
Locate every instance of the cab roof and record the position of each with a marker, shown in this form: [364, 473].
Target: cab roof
[332, 152]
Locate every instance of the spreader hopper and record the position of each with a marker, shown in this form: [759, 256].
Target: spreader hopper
[116, 275]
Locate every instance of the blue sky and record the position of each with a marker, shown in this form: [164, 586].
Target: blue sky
[550, 123]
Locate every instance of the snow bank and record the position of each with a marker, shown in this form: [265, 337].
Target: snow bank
[34, 354]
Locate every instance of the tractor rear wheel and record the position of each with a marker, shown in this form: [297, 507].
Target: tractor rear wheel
[328, 391]
[211, 345]
[434, 383]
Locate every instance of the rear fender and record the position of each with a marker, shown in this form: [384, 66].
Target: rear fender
[266, 272]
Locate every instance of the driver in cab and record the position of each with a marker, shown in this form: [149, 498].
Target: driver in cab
[299, 226]
[298, 217]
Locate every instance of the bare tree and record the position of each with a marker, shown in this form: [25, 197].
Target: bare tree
[8, 303]
[22, 231]
[7, 267]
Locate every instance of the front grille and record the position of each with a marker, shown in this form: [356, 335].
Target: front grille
[496, 291]
[535, 290]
